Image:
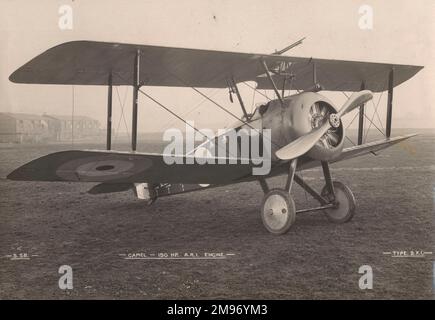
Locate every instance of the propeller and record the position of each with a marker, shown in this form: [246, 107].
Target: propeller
[304, 143]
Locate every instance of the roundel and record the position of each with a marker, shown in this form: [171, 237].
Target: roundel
[100, 169]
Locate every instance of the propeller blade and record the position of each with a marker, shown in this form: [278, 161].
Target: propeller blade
[304, 143]
[355, 100]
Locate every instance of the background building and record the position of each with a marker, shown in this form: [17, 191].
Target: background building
[61, 127]
[22, 127]
[30, 128]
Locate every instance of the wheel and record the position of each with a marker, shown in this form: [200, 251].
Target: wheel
[278, 211]
[345, 200]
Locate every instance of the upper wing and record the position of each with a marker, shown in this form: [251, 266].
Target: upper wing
[124, 167]
[90, 62]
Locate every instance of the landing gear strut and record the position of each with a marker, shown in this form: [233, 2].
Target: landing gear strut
[278, 211]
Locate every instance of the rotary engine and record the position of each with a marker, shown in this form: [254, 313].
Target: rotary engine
[303, 113]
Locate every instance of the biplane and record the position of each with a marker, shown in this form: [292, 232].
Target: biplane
[306, 127]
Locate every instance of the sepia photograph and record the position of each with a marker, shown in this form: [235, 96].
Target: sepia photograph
[217, 151]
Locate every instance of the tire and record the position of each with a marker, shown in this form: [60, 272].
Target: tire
[346, 203]
[278, 211]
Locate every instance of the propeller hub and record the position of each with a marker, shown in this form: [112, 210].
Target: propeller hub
[334, 120]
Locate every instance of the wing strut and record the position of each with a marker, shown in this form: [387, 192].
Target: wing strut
[269, 76]
[361, 119]
[316, 85]
[109, 114]
[239, 97]
[390, 102]
[136, 87]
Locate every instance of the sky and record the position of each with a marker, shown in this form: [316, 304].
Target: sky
[402, 33]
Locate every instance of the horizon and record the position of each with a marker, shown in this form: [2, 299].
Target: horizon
[213, 26]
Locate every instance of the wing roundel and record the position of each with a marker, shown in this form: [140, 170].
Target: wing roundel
[124, 167]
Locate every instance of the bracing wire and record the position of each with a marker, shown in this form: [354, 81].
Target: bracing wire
[122, 116]
[180, 118]
[253, 101]
[219, 105]
[170, 123]
[173, 113]
[370, 120]
[255, 90]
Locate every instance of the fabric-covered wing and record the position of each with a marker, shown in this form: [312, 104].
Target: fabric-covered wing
[123, 167]
[375, 146]
[363, 149]
[90, 62]
[340, 75]
[347, 153]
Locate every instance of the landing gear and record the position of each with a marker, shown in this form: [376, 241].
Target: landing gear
[344, 209]
[278, 211]
[340, 196]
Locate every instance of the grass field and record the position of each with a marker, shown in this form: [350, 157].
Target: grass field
[60, 224]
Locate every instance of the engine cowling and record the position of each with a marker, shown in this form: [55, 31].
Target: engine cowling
[301, 114]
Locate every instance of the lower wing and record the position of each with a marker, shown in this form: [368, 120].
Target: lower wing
[370, 147]
[124, 167]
